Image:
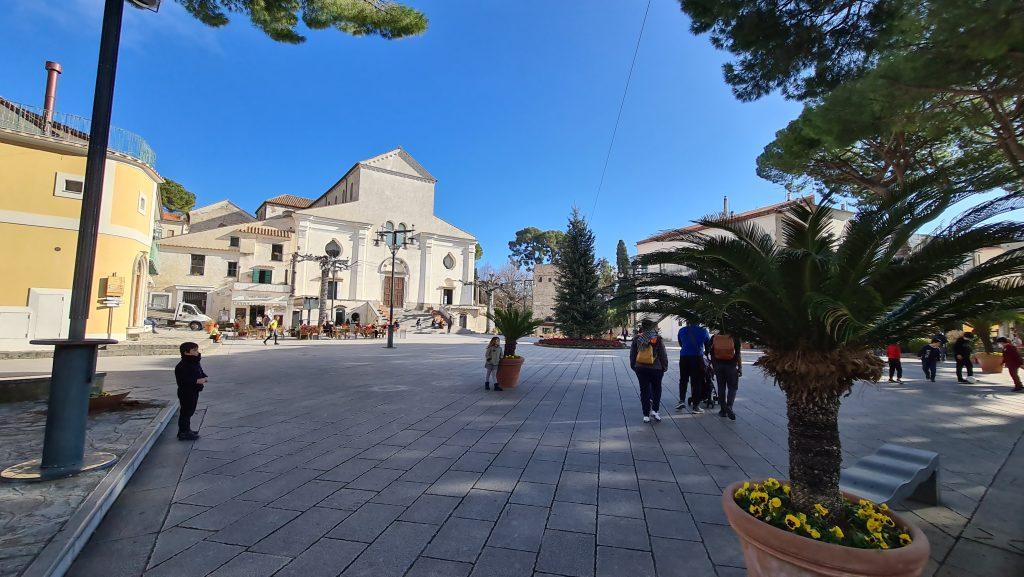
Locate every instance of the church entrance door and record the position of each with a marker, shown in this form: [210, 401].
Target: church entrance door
[399, 292]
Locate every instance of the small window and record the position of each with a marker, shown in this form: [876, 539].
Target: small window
[232, 269]
[198, 267]
[69, 186]
[142, 203]
[449, 261]
[332, 289]
[233, 241]
[262, 276]
[170, 233]
[277, 252]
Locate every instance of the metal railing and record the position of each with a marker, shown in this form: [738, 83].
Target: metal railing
[69, 127]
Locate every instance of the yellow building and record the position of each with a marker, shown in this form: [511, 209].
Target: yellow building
[42, 170]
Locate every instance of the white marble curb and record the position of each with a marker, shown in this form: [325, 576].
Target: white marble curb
[58, 555]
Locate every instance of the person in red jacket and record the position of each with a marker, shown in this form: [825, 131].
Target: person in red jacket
[1012, 361]
[893, 353]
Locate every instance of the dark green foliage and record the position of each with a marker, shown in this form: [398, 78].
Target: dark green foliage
[175, 197]
[533, 246]
[623, 286]
[479, 252]
[514, 323]
[580, 310]
[279, 18]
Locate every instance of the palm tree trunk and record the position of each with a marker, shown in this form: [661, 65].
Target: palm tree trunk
[815, 453]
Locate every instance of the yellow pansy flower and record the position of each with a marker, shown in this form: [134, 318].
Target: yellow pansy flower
[883, 507]
[746, 485]
[820, 509]
[739, 494]
[905, 539]
[785, 489]
[792, 522]
[887, 520]
[865, 503]
[771, 483]
[883, 544]
[756, 510]
[814, 533]
[837, 532]
[759, 496]
[775, 503]
[874, 526]
[803, 518]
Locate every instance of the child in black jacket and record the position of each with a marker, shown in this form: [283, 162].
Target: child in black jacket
[191, 378]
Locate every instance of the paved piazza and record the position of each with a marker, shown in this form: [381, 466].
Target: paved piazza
[347, 459]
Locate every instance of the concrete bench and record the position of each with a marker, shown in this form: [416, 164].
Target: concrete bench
[36, 387]
[894, 473]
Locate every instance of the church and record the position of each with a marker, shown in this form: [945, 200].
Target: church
[236, 266]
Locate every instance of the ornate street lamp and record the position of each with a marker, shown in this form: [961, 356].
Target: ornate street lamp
[329, 263]
[395, 240]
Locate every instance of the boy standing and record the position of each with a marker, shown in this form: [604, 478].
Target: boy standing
[930, 359]
[1012, 361]
[191, 378]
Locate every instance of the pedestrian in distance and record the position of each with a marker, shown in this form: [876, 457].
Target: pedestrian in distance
[1012, 362]
[692, 340]
[943, 342]
[930, 355]
[725, 356]
[649, 360]
[893, 353]
[962, 351]
[190, 378]
[271, 331]
[492, 357]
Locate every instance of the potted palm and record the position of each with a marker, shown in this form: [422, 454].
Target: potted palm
[818, 303]
[991, 361]
[513, 323]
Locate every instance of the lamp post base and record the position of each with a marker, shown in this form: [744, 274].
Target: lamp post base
[33, 471]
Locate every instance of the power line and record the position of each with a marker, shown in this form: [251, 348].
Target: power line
[622, 104]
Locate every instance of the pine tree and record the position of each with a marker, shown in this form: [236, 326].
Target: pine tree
[579, 309]
[625, 284]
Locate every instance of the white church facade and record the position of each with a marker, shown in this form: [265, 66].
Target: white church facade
[237, 271]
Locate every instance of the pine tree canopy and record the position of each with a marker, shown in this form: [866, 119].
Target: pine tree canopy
[580, 311]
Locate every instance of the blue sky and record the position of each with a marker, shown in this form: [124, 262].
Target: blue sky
[510, 104]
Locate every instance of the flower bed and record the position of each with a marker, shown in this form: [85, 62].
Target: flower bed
[864, 525]
[567, 343]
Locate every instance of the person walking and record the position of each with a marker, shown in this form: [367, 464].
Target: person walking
[271, 330]
[189, 375]
[1012, 362]
[649, 360]
[943, 341]
[692, 339]
[930, 355]
[725, 357]
[962, 351]
[893, 353]
[492, 358]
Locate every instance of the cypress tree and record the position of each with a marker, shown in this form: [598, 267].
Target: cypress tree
[579, 309]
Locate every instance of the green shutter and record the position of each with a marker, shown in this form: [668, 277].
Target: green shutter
[255, 275]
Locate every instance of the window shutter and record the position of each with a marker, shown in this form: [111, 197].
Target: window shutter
[255, 275]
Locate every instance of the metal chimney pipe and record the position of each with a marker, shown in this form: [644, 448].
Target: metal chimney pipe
[50, 100]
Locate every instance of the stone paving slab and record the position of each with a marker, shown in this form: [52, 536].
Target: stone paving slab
[382, 458]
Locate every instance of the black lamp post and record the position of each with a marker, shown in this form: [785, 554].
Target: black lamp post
[74, 358]
[395, 240]
[329, 263]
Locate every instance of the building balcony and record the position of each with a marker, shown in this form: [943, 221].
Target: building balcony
[70, 128]
[262, 287]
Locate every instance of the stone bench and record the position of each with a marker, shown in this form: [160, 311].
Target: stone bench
[894, 473]
[35, 387]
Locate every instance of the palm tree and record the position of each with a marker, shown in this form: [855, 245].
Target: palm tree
[515, 323]
[983, 323]
[818, 303]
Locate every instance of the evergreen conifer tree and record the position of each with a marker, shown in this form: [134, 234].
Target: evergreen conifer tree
[579, 309]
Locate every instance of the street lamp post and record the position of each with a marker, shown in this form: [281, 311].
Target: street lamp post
[329, 263]
[395, 240]
[74, 358]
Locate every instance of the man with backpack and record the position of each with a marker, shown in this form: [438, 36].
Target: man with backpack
[649, 360]
[725, 356]
[692, 340]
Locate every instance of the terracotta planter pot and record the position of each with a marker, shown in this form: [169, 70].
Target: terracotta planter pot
[508, 371]
[990, 364]
[773, 552]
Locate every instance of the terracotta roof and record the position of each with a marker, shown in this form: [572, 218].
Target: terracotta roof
[290, 200]
[265, 231]
[674, 234]
[164, 215]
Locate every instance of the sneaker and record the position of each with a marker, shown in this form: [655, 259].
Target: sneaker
[963, 381]
[732, 415]
[900, 381]
[656, 416]
[680, 405]
[487, 386]
[723, 413]
[498, 387]
[647, 419]
[891, 381]
[190, 436]
[696, 410]
[1018, 390]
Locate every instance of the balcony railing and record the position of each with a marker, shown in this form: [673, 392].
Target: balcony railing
[71, 128]
[262, 287]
